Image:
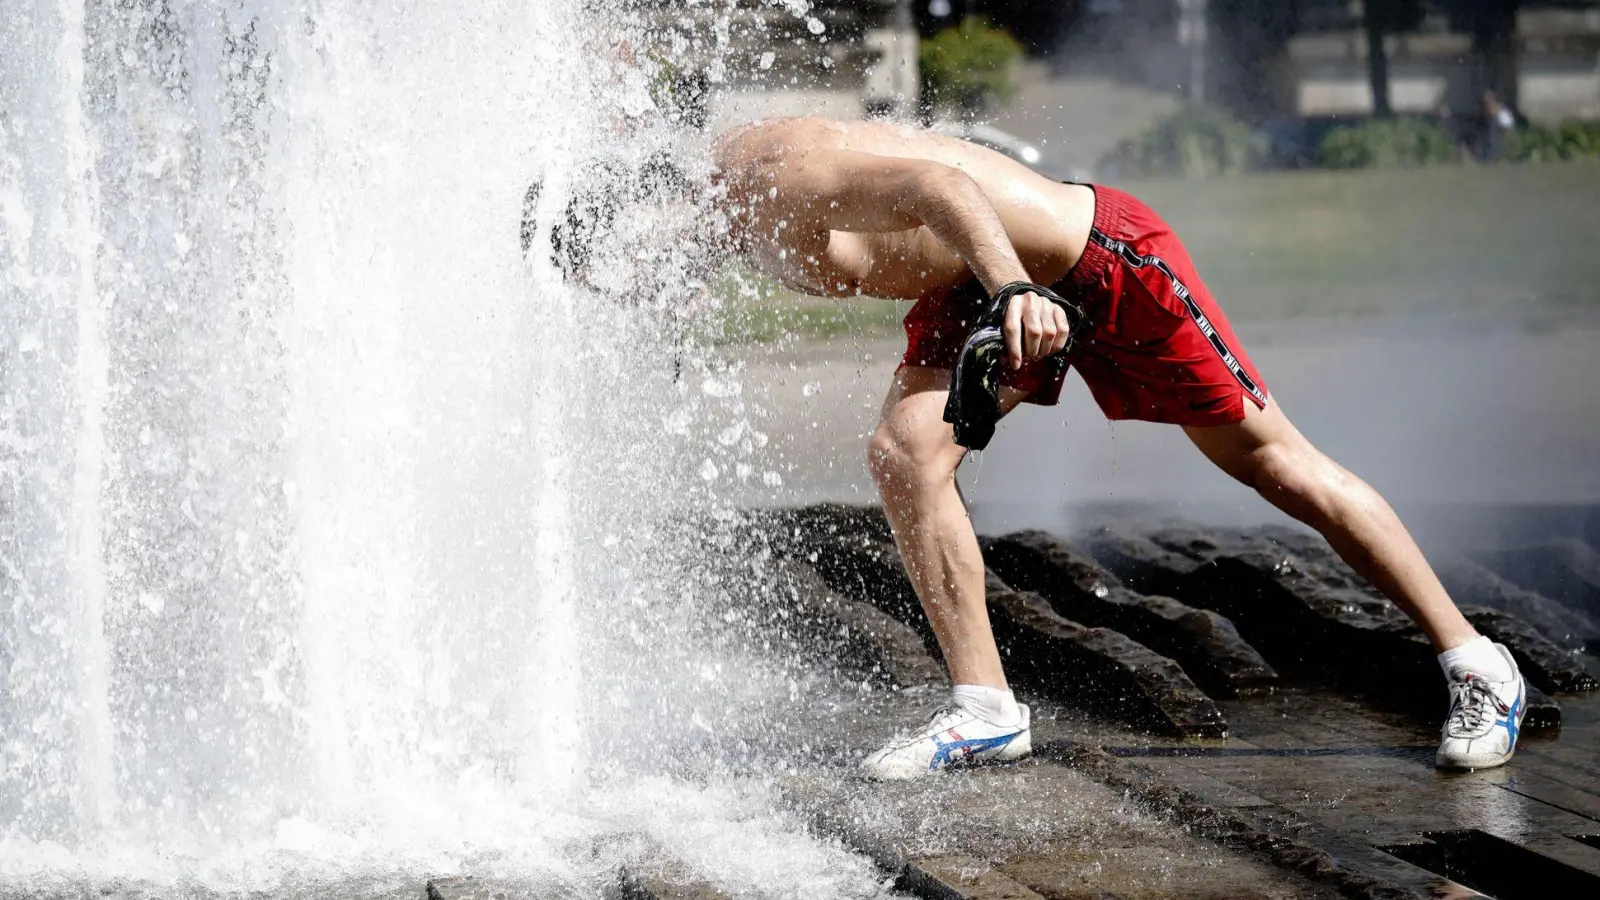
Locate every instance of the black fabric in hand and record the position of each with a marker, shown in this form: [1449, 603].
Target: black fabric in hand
[974, 403]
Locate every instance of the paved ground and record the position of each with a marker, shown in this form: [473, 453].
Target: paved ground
[1306, 767]
[1312, 776]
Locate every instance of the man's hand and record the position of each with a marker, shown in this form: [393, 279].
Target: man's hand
[1034, 329]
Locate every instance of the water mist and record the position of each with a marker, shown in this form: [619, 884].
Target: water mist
[340, 539]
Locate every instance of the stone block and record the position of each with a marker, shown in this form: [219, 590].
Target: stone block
[1042, 650]
[1472, 584]
[1306, 616]
[862, 634]
[1096, 666]
[1540, 659]
[960, 878]
[1566, 570]
[1205, 643]
[1138, 562]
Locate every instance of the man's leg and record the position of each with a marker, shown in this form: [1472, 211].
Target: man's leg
[1268, 453]
[913, 457]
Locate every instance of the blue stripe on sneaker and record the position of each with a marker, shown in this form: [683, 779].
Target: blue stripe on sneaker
[967, 748]
[1512, 722]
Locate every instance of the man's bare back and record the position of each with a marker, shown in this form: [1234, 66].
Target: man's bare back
[807, 202]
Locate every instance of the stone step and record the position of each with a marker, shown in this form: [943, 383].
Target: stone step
[634, 886]
[873, 573]
[879, 643]
[1550, 669]
[1472, 584]
[1541, 661]
[957, 877]
[1034, 829]
[1567, 571]
[1287, 840]
[1206, 644]
[1138, 562]
[1045, 652]
[1097, 667]
[1304, 617]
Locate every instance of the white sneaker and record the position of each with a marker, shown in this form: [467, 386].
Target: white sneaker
[951, 736]
[1485, 717]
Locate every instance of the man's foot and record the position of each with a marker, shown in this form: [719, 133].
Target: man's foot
[1485, 716]
[951, 737]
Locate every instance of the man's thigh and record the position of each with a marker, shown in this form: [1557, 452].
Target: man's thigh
[1241, 449]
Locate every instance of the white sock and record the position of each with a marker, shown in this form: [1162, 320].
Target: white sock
[992, 705]
[1477, 656]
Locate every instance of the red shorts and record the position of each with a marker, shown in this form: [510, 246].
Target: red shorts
[1157, 349]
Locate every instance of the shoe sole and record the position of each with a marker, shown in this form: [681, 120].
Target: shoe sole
[1472, 767]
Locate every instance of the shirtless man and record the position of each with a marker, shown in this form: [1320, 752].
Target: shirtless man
[848, 209]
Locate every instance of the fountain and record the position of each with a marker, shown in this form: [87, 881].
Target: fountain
[336, 541]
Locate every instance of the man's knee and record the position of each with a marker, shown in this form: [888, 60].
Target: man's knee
[910, 460]
[1301, 481]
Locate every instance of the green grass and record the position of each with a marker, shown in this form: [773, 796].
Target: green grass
[755, 309]
[1510, 239]
[1506, 239]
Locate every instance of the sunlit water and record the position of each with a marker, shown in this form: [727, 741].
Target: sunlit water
[338, 540]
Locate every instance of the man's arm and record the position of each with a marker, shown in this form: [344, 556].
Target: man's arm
[828, 190]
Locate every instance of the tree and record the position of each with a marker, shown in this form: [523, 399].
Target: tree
[1382, 18]
[1493, 26]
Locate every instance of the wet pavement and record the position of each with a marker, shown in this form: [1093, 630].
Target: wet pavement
[1318, 781]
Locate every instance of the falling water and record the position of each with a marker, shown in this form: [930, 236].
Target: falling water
[337, 534]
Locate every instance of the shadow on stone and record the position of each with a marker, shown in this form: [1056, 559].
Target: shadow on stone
[1496, 866]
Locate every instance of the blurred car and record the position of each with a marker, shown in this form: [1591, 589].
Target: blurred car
[1004, 142]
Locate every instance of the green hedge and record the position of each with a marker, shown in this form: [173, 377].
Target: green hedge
[970, 65]
[1388, 144]
[1570, 140]
[1196, 142]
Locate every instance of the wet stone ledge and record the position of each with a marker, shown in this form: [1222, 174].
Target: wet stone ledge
[1472, 584]
[1206, 644]
[1097, 667]
[1542, 662]
[1567, 571]
[884, 646]
[1548, 667]
[1058, 658]
[1310, 618]
[1122, 629]
[1328, 779]
[1530, 632]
